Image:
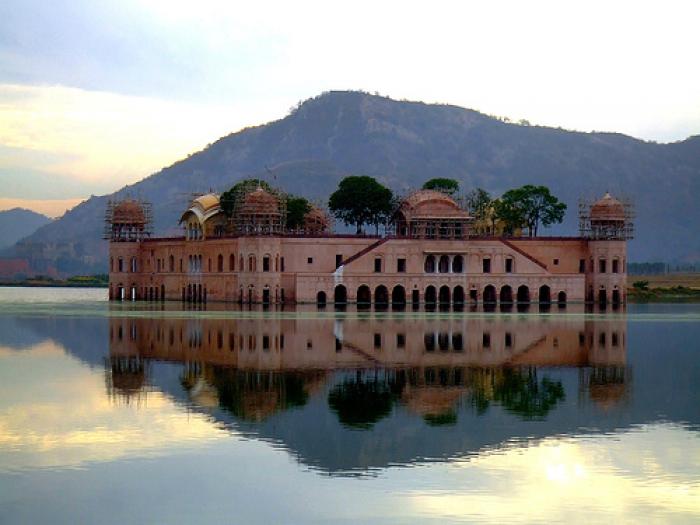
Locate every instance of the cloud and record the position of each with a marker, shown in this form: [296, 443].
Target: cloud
[94, 136]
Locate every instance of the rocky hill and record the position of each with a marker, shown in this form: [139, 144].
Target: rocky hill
[403, 144]
[18, 223]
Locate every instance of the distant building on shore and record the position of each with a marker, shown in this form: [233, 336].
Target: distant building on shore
[433, 257]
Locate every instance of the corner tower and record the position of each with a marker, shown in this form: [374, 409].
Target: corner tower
[607, 225]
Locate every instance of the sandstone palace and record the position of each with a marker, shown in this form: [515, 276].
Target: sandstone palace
[431, 254]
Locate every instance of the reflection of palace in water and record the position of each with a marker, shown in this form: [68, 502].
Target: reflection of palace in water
[429, 365]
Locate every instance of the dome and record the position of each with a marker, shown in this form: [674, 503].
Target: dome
[206, 202]
[608, 209]
[129, 211]
[260, 202]
[431, 204]
[204, 207]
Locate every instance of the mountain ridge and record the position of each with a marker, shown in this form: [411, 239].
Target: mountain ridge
[403, 144]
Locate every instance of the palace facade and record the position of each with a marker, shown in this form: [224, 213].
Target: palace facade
[248, 255]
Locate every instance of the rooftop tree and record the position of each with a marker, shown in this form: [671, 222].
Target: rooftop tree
[449, 186]
[361, 200]
[297, 208]
[530, 206]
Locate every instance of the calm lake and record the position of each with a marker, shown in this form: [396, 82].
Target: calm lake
[151, 413]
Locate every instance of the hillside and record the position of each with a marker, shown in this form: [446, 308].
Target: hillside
[18, 223]
[403, 144]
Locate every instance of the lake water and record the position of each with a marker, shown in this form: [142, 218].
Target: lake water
[150, 413]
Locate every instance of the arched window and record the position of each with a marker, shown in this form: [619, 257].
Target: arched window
[231, 263]
[458, 264]
[171, 263]
[251, 263]
[430, 264]
[444, 266]
[220, 263]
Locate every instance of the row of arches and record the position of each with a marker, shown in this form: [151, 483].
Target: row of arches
[443, 295]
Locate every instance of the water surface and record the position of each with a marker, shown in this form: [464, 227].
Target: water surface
[150, 413]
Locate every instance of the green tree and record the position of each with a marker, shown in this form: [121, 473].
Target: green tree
[361, 200]
[297, 208]
[510, 213]
[531, 206]
[449, 186]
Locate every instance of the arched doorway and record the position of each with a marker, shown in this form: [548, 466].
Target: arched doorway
[430, 264]
[458, 295]
[489, 294]
[430, 295]
[561, 297]
[444, 295]
[398, 295]
[616, 297]
[340, 294]
[506, 295]
[458, 264]
[364, 295]
[321, 298]
[523, 294]
[381, 295]
[545, 295]
[602, 297]
[444, 265]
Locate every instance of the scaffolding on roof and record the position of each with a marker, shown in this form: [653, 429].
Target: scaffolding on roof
[128, 220]
[616, 224]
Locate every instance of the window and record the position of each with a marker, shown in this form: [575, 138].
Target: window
[615, 266]
[400, 340]
[220, 263]
[615, 339]
[486, 340]
[377, 264]
[338, 260]
[251, 263]
[266, 342]
[582, 266]
[377, 340]
[209, 265]
[509, 265]
[556, 262]
[309, 344]
[602, 266]
[401, 265]
[266, 264]
[486, 265]
[120, 265]
[231, 263]
[509, 340]
[281, 270]
[309, 260]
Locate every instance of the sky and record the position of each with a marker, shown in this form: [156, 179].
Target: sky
[98, 94]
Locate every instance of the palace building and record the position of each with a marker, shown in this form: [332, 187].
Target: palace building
[243, 252]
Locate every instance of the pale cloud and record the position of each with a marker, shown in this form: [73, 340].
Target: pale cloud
[62, 417]
[629, 477]
[112, 92]
[105, 136]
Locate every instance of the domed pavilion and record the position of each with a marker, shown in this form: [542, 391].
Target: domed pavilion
[430, 214]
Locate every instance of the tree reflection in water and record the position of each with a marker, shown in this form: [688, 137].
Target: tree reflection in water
[364, 400]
